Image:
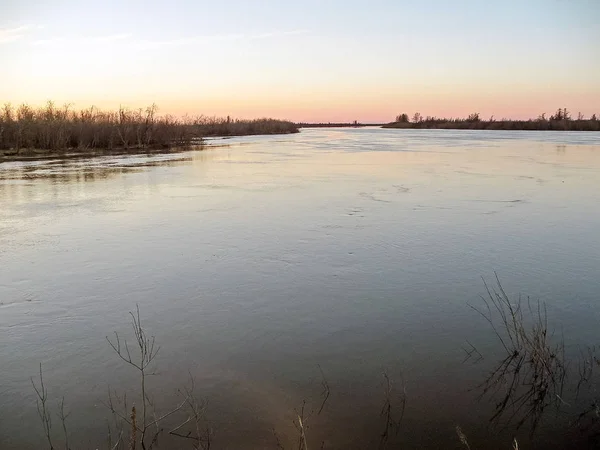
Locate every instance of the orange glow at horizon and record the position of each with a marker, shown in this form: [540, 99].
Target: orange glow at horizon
[330, 106]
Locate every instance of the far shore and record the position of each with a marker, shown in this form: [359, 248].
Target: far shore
[338, 125]
[561, 120]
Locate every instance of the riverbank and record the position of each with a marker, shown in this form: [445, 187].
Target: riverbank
[40, 154]
[28, 133]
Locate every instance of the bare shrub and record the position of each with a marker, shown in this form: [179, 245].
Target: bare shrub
[531, 375]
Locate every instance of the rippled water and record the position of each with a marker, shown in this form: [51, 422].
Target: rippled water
[254, 263]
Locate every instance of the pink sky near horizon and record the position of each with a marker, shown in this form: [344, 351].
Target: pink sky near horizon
[364, 106]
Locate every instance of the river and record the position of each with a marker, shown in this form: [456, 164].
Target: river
[263, 264]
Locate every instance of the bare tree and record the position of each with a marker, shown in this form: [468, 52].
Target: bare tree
[143, 356]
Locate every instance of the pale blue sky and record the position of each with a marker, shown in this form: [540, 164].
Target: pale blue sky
[309, 60]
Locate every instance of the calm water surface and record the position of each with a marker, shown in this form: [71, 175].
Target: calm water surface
[356, 250]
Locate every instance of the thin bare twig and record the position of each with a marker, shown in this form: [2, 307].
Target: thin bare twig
[42, 408]
[63, 419]
[201, 435]
[326, 391]
[391, 423]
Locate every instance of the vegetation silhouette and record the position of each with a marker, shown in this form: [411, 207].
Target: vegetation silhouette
[25, 130]
[561, 120]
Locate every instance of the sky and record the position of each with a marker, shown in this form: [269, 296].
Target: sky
[310, 60]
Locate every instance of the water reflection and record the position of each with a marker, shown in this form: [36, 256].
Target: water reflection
[22, 182]
[68, 171]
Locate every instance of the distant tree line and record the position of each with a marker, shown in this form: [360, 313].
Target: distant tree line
[217, 126]
[561, 120]
[355, 124]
